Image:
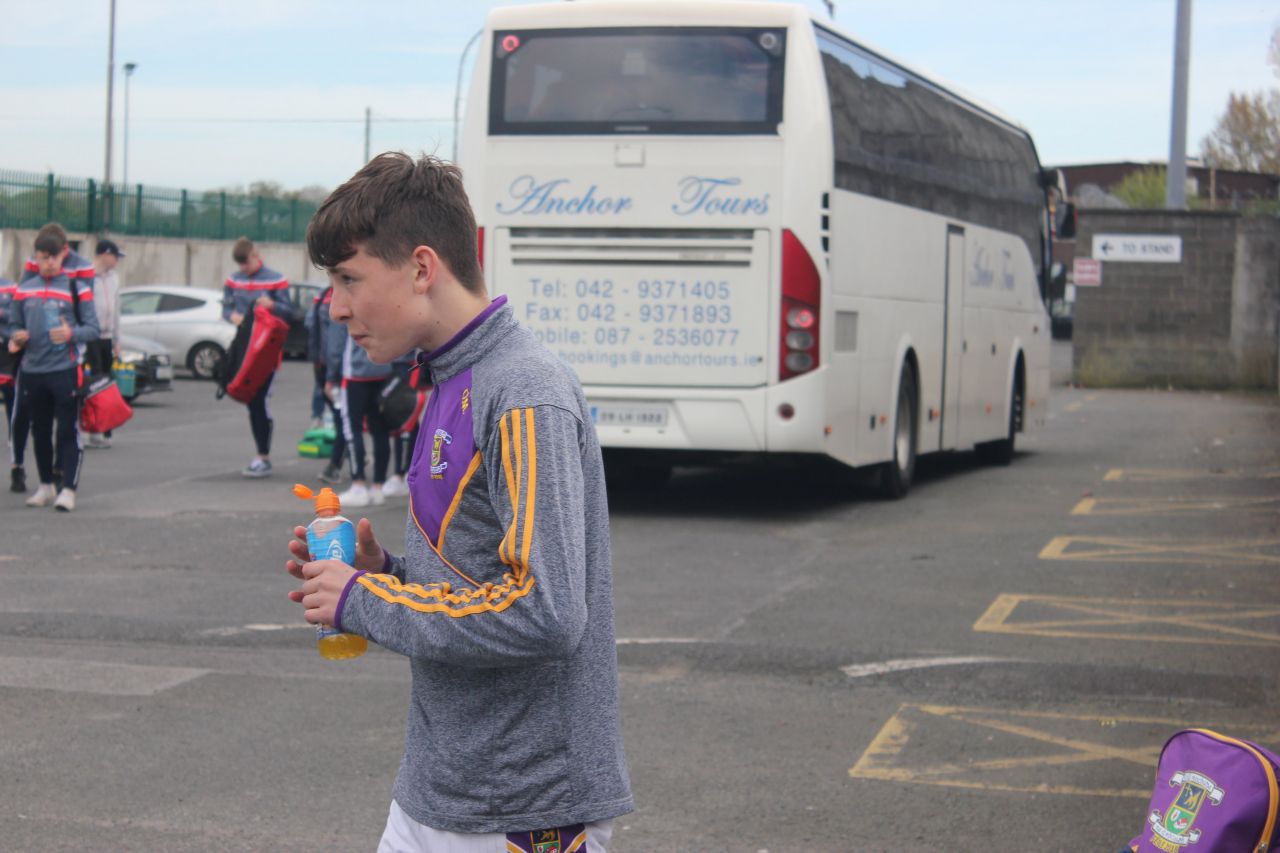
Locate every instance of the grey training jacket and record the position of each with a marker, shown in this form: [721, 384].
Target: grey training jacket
[504, 600]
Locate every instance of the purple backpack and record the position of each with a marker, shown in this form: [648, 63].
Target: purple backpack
[1213, 794]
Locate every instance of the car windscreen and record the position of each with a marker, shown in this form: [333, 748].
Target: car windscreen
[687, 80]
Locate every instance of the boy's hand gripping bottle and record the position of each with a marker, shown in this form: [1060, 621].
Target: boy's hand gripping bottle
[332, 537]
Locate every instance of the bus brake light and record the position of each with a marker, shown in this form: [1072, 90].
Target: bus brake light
[801, 304]
[480, 246]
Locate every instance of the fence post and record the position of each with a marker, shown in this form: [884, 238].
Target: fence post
[92, 202]
[258, 235]
[48, 199]
[182, 215]
[137, 211]
[222, 217]
[293, 218]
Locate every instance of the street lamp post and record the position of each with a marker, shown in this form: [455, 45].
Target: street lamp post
[129, 68]
[457, 92]
[111, 67]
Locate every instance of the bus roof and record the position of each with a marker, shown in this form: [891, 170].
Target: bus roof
[748, 13]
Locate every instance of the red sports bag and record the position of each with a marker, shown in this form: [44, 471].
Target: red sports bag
[103, 408]
[262, 356]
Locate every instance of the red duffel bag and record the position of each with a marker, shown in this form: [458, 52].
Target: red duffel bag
[262, 356]
[103, 408]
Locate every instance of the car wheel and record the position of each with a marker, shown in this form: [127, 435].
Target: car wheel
[204, 358]
[896, 474]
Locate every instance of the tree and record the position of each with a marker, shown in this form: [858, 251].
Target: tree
[1247, 137]
[1143, 189]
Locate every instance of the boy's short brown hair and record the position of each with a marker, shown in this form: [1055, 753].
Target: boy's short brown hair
[242, 250]
[51, 239]
[392, 206]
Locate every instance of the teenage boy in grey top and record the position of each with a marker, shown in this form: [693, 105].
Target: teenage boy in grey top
[503, 600]
[255, 284]
[50, 319]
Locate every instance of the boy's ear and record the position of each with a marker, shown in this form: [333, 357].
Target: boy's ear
[426, 268]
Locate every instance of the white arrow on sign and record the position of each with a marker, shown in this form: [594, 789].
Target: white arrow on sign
[1138, 248]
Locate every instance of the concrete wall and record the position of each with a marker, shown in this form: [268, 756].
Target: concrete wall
[163, 260]
[1211, 321]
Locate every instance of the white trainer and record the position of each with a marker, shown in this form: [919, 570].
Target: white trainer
[66, 500]
[376, 497]
[395, 487]
[356, 496]
[43, 495]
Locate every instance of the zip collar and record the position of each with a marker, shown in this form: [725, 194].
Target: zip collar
[475, 340]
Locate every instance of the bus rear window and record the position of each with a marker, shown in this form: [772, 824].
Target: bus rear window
[637, 81]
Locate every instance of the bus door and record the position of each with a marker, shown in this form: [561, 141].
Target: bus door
[953, 337]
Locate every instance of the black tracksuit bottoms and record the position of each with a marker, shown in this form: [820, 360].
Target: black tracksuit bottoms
[50, 398]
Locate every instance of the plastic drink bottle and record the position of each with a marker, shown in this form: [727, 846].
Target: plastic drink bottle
[332, 537]
[53, 320]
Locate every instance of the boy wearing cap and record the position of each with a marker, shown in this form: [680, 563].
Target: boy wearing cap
[101, 354]
[503, 602]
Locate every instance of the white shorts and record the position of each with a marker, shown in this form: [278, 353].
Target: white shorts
[405, 835]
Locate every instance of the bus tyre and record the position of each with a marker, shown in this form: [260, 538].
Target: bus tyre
[1000, 451]
[896, 474]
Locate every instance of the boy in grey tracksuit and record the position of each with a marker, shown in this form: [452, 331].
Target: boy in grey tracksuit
[503, 599]
[358, 382]
[51, 318]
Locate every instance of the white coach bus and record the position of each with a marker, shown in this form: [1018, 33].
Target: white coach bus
[750, 233]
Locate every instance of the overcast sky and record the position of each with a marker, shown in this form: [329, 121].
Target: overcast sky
[231, 91]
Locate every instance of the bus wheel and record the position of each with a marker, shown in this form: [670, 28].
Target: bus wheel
[1000, 451]
[896, 475]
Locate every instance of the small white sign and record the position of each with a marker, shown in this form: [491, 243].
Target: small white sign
[1086, 272]
[1138, 248]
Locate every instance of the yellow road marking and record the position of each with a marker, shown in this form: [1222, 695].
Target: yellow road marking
[1169, 506]
[1165, 475]
[995, 749]
[1118, 550]
[1073, 407]
[1198, 622]
[1085, 506]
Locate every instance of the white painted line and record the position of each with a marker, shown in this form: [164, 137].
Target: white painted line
[861, 670]
[106, 679]
[236, 630]
[656, 641]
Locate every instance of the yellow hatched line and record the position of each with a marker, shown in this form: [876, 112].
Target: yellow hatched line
[1197, 627]
[1115, 549]
[1164, 475]
[1167, 506]
[884, 759]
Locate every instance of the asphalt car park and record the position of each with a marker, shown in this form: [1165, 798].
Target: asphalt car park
[991, 663]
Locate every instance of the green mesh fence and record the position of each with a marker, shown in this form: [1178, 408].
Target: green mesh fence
[29, 200]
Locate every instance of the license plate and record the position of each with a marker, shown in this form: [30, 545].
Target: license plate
[164, 372]
[629, 414]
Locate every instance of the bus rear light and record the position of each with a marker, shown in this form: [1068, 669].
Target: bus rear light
[801, 318]
[798, 362]
[801, 308]
[480, 246]
[799, 340]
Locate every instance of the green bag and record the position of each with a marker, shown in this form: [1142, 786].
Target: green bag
[317, 443]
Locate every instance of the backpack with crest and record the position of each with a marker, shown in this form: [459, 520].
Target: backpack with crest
[1213, 794]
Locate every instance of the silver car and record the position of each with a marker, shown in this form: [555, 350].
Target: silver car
[187, 320]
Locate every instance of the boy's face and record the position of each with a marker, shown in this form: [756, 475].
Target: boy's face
[378, 304]
[48, 265]
[250, 266]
